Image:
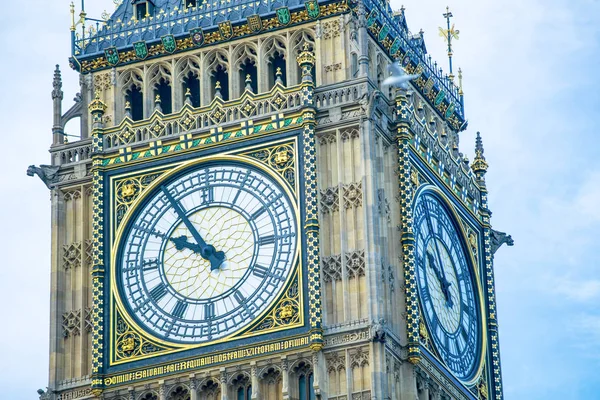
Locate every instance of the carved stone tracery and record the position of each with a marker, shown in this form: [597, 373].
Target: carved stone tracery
[332, 268]
[353, 195]
[355, 263]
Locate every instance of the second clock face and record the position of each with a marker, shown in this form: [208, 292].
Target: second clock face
[446, 287]
[208, 253]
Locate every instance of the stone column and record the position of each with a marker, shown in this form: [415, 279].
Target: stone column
[224, 387]
[285, 379]
[193, 388]
[255, 381]
[162, 390]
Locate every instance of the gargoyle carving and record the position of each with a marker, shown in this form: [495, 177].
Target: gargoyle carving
[498, 239]
[47, 173]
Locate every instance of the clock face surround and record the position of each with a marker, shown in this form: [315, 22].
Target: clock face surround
[207, 251]
[446, 286]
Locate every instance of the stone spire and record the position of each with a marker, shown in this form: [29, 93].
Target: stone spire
[57, 92]
[479, 164]
[57, 97]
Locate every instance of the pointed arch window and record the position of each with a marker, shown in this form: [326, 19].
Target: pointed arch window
[135, 98]
[248, 69]
[163, 89]
[192, 83]
[220, 75]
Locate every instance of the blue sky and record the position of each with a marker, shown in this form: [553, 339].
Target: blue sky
[531, 88]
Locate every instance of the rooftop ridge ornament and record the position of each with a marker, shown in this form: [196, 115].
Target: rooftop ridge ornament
[448, 34]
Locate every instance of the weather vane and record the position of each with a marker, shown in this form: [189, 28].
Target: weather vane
[449, 34]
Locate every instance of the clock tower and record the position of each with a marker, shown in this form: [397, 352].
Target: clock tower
[248, 213]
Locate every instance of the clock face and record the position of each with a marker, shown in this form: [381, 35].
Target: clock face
[207, 253]
[446, 287]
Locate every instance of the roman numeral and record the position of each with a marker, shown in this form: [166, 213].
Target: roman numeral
[258, 213]
[158, 292]
[179, 309]
[209, 311]
[239, 297]
[266, 240]
[150, 264]
[209, 195]
[260, 271]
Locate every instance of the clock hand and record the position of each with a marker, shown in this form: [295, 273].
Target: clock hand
[208, 252]
[444, 282]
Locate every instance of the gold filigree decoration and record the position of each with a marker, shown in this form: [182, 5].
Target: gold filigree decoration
[414, 178]
[285, 313]
[130, 344]
[482, 389]
[281, 158]
[129, 189]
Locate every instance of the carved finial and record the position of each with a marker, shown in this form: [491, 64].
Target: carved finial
[479, 165]
[218, 90]
[248, 82]
[57, 84]
[157, 102]
[72, 7]
[188, 96]
[97, 105]
[465, 161]
[278, 74]
[460, 89]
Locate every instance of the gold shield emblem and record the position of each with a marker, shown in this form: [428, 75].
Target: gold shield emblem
[254, 22]
[225, 29]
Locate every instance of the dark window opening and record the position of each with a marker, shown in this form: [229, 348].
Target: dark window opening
[277, 62]
[189, 3]
[248, 69]
[244, 393]
[306, 390]
[144, 9]
[136, 103]
[163, 89]
[192, 83]
[220, 75]
[353, 65]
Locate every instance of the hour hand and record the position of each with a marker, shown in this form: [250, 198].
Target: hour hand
[207, 252]
[181, 243]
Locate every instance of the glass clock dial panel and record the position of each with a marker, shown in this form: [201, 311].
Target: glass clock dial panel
[446, 287]
[207, 253]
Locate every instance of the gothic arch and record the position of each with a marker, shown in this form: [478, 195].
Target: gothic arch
[245, 62]
[186, 65]
[215, 62]
[209, 389]
[157, 72]
[188, 75]
[148, 395]
[127, 80]
[273, 51]
[179, 392]
[297, 41]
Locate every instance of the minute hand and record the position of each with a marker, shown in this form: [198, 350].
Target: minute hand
[445, 284]
[207, 252]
